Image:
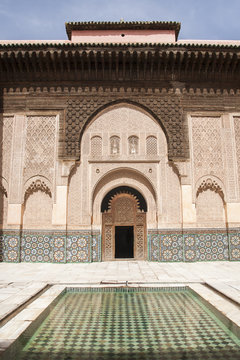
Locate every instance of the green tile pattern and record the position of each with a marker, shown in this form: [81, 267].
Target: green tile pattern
[137, 325]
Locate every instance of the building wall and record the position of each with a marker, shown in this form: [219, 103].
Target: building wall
[50, 208]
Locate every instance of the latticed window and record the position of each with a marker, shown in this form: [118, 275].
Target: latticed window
[151, 145]
[133, 145]
[96, 146]
[114, 145]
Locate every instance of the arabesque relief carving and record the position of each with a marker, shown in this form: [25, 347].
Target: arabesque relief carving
[211, 185]
[37, 185]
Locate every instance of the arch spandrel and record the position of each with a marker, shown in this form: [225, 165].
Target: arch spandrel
[166, 110]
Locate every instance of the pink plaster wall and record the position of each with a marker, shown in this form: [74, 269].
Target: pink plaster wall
[130, 36]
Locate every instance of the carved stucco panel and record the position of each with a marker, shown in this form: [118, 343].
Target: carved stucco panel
[230, 159]
[6, 138]
[173, 198]
[207, 149]
[237, 142]
[74, 216]
[40, 147]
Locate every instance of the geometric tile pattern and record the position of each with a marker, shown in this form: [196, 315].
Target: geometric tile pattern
[196, 246]
[171, 247]
[165, 325]
[50, 246]
[78, 247]
[234, 246]
[206, 247]
[96, 246]
[154, 246]
[59, 247]
[1, 247]
[36, 247]
[165, 246]
[11, 245]
[85, 246]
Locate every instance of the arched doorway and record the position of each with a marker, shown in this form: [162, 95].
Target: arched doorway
[124, 224]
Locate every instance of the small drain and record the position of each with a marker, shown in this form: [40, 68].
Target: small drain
[114, 282]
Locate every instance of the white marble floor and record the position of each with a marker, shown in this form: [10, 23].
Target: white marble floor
[143, 271]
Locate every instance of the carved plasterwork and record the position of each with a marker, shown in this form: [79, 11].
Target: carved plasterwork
[151, 145]
[172, 211]
[230, 163]
[166, 109]
[182, 169]
[40, 147]
[96, 146]
[114, 145]
[133, 145]
[237, 142]
[74, 216]
[6, 138]
[38, 209]
[210, 184]
[210, 204]
[37, 185]
[207, 148]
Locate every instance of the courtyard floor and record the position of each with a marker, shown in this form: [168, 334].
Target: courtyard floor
[21, 283]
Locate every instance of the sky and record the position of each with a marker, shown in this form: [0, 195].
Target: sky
[45, 19]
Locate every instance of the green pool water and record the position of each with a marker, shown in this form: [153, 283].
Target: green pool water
[128, 324]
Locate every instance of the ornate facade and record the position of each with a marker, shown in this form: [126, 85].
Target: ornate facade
[121, 142]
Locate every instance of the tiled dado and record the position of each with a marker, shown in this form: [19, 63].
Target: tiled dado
[194, 246]
[46, 246]
[10, 246]
[234, 245]
[85, 246]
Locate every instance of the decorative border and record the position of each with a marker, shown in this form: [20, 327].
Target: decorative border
[85, 246]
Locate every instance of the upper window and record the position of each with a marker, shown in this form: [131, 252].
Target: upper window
[133, 145]
[114, 145]
[151, 145]
[96, 146]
